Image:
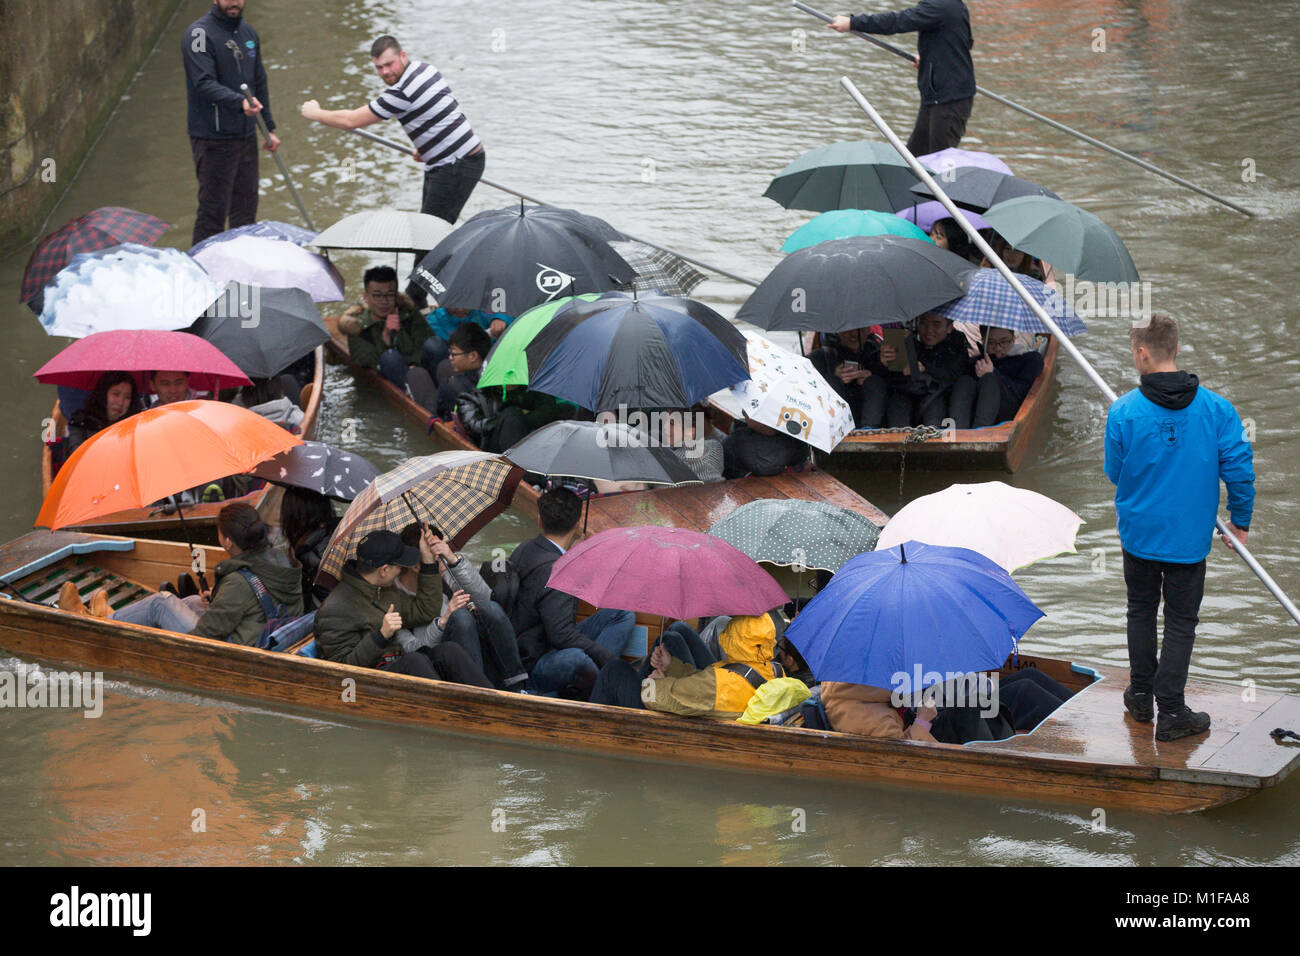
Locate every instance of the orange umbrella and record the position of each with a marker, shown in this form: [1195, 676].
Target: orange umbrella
[159, 452]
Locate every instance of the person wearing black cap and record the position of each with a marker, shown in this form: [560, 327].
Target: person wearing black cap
[368, 621]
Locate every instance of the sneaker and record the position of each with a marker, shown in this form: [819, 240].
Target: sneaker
[1183, 722]
[1139, 705]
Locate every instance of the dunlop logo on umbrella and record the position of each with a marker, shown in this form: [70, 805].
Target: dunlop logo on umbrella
[552, 281]
[436, 287]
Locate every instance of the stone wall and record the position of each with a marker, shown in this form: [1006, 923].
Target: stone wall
[64, 65]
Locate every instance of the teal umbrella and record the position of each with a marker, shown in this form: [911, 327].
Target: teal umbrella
[858, 175]
[794, 533]
[1071, 239]
[506, 362]
[846, 223]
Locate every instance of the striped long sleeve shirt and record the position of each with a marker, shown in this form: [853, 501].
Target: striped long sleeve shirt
[422, 101]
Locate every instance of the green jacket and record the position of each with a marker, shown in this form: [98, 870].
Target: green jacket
[235, 614]
[347, 624]
[366, 337]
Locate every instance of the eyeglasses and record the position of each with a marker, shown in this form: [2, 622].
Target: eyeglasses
[382, 295]
[456, 354]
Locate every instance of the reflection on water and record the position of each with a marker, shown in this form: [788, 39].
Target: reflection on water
[571, 109]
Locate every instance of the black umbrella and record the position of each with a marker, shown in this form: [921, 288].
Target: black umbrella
[613, 451]
[975, 188]
[262, 330]
[851, 283]
[509, 260]
[321, 468]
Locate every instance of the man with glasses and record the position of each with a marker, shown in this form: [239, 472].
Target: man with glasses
[1005, 374]
[468, 347]
[388, 334]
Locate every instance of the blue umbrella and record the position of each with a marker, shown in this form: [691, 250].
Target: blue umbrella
[266, 229]
[990, 300]
[944, 611]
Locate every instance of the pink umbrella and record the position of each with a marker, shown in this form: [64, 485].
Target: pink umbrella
[141, 351]
[671, 572]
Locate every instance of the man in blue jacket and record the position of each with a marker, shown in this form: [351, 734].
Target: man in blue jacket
[221, 51]
[945, 73]
[1168, 445]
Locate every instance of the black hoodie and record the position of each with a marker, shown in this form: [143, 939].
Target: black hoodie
[213, 75]
[1170, 389]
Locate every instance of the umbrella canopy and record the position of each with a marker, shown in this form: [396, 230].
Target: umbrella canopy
[978, 189]
[672, 572]
[850, 283]
[457, 492]
[127, 287]
[274, 263]
[158, 452]
[1070, 238]
[887, 613]
[321, 468]
[611, 451]
[512, 259]
[990, 300]
[100, 229]
[926, 214]
[1013, 527]
[855, 175]
[845, 223]
[141, 351]
[658, 270]
[264, 331]
[793, 533]
[946, 160]
[384, 230]
[507, 361]
[266, 229]
[647, 352]
[785, 392]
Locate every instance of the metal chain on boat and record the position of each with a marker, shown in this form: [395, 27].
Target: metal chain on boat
[911, 434]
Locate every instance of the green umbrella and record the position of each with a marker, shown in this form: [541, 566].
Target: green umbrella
[846, 223]
[790, 532]
[1071, 239]
[506, 363]
[858, 175]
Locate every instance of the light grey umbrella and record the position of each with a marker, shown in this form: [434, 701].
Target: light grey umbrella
[384, 230]
[792, 533]
[611, 451]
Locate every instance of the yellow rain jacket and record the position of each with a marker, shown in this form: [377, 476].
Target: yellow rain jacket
[717, 691]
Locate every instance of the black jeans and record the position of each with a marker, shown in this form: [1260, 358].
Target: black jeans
[227, 173]
[994, 401]
[448, 662]
[447, 187]
[1183, 586]
[939, 126]
[619, 683]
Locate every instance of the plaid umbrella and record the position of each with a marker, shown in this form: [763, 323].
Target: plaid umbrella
[457, 492]
[990, 300]
[659, 270]
[109, 226]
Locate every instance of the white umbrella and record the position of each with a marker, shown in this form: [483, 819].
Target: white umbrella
[384, 230]
[1013, 527]
[785, 392]
[273, 263]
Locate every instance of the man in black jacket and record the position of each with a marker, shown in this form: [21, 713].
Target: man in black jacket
[939, 381]
[562, 656]
[220, 51]
[945, 73]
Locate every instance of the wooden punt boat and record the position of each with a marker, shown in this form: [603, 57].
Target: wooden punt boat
[998, 447]
[201, 517]
[1088, 754]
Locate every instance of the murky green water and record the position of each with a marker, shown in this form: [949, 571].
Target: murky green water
[572, 100]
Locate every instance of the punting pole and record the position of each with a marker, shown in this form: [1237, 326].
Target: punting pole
[1043, 317]
[514, 192]
[284, 170]
[1114, 151]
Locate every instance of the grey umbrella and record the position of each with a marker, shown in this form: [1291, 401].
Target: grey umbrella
[973, 187]
[262, 330]
[860, 175]
[606, 451]
[384, 230]
[794, 533]
[321, 468]
[1071, 239]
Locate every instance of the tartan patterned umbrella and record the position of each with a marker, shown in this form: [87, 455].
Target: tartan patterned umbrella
[108, 226]
[458, 492]
[659, 270]
[991, 301]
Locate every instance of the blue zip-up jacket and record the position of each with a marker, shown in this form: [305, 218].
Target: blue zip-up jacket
[444, 323]
[1168, 445]
[213, 75]
[943, 43]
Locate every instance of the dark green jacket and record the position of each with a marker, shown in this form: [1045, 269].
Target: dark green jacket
[366, 338]
[347, 624]
[235, 613]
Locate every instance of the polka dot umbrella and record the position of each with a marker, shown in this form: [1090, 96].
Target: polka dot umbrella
[810, 535]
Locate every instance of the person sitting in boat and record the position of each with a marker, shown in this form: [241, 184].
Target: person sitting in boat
[752, 448]
[562, 655]
[266, 397]
[112, 399]
[853, 363]
[1018, 261]
[368, 621]
[469, 616]
[168, 387]
[444, 321]
[680, 429]
[938, 382]
[1005, 377]
[681, 677]
[948, 235]
[307, 521]
[387, 334]
[232, 610]
[460, 370]
[496, 419]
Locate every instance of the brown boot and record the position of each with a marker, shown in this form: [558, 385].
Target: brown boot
[99, 606]
[70, 600]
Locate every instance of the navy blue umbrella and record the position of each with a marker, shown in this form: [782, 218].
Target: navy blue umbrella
[911, 616]
[648, 352]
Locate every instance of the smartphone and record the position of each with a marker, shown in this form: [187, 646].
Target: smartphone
[851, 365]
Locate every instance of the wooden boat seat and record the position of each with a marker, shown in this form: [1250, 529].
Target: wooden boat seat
[43, 585]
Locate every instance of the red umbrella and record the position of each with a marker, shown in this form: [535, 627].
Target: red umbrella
[109, 226]
[142, 351]
[672, 572]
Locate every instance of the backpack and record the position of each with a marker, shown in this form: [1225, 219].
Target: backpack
[277, 615]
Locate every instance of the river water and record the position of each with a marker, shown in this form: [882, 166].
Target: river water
[668, 119]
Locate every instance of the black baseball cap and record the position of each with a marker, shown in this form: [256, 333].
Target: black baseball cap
[384, 547]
